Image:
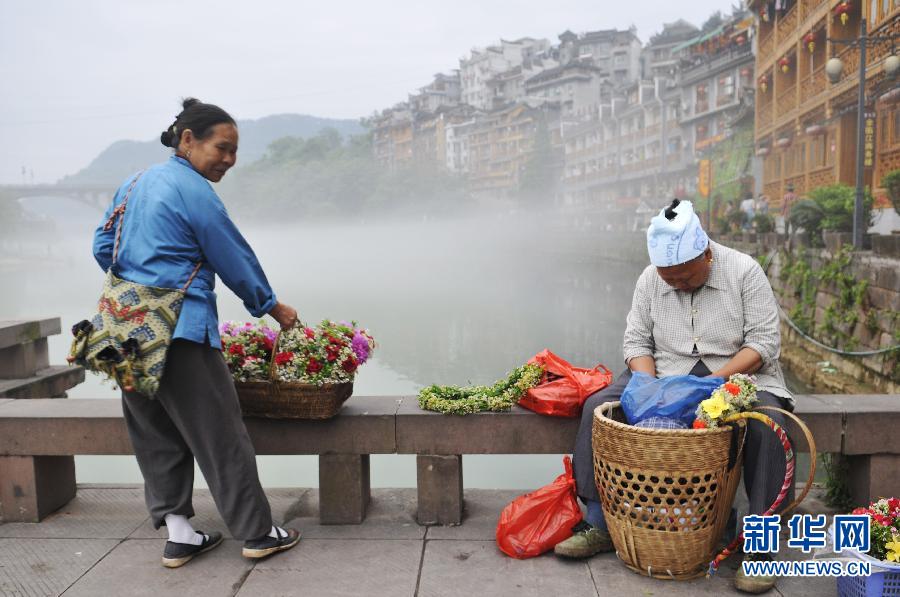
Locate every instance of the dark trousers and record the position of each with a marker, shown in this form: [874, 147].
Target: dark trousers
[764, 464]
[196, 414]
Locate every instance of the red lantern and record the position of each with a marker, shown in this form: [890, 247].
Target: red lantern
[843, 11]
[810, 40]
[763, 83]
[785, 64]
[740, 40]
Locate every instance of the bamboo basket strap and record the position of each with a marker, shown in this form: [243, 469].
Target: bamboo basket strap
[813, 455]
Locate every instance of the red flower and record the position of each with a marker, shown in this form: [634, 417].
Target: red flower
[310, 333]
[333, 340]
[236, 349]
[699, 424]
[332, 352]
[313, 366]
[858, 511]
[268, 344]
[349, 365]
[282, 358]
[893, 504]
[732, 388]
[883, 520]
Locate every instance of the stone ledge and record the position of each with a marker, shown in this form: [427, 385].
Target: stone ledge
[52, 381]
[14, 332]
[852, 424]
[518, 431]
[49, 427]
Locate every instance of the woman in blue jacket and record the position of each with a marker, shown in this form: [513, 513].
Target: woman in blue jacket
[174, 221]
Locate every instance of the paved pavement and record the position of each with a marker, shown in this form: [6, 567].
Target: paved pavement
[102, 544]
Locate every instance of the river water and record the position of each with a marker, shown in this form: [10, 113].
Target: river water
[450, 302]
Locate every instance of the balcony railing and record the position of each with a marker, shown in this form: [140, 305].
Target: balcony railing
[786, 26]
[850, 57]
[807, 7]
[764, 115]
[821, 177]
[787, 100]
[813, 84]
[765, 47]
[701, 67]
[772, 189]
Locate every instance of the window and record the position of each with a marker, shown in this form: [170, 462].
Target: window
[725, 90]
[817, 148]
[702, 102]
[873, 11]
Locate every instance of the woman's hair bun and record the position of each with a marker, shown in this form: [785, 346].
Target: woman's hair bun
[166, 138]
[188, 102]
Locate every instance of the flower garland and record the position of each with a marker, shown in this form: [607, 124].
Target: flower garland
[736, 395]
[454, 400]
[885, 529]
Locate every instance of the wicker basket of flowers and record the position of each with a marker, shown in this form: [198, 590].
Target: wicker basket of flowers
[300, 373]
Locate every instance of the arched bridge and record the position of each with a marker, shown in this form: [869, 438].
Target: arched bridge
[94, 195]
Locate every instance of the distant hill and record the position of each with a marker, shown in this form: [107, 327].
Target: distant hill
[126, 157]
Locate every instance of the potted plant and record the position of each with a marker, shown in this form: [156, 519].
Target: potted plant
[884, 551]
[837, 202]
[302, 372]
[891, 183]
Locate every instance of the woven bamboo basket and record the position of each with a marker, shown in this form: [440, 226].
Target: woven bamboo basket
[666, 494]
[288, 400]
[275, 399]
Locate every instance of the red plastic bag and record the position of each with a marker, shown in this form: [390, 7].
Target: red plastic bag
[564, 388]
[535, 522]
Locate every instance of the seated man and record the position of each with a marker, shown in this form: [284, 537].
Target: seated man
[706, 310]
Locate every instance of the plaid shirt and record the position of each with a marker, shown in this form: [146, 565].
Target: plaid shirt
[735, 309]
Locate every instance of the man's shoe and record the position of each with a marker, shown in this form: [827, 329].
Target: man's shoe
[754, 584]
[176, 555]
[266, 546]
[586, 542]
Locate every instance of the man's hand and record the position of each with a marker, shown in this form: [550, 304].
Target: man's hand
[285, 315]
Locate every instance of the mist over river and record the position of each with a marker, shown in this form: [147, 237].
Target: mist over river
[453, 302]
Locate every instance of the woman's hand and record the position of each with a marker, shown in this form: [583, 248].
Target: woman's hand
[285, 315]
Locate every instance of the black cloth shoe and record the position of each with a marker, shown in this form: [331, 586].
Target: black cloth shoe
[176, 555]
[266, 546]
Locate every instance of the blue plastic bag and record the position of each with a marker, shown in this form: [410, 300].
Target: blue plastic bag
[673, 397]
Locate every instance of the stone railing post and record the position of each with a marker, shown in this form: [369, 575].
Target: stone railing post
[31, 487]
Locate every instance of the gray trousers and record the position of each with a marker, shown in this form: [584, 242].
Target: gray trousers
[196, 414]
[764, 464]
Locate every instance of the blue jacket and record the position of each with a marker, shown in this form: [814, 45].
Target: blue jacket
[173, 220]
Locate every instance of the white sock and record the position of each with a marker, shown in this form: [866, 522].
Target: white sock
[277, 533]
[181, 531]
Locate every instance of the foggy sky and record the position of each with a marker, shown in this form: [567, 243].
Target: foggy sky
[76, 76]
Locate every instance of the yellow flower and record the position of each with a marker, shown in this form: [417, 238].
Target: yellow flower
[893, 550]
[715, 406]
